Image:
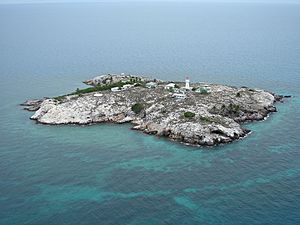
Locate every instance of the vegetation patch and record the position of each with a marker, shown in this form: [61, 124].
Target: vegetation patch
[234, 108]
[98, 88]
[217, 120]
[207, 119]
[107, 86]
[189, 114]
[171, 89]
[140, 84]
[60, 98]
[135, 80]
[137, 108]
[101, 87]
[203, 91]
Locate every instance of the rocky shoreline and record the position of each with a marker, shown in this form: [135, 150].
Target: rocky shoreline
[199, 114]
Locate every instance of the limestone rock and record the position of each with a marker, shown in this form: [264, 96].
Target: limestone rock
[216, 116]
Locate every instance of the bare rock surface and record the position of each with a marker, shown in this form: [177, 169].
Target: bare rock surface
[32, 105]
[217, 116]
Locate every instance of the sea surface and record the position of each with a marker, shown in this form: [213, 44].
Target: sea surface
[108, 174]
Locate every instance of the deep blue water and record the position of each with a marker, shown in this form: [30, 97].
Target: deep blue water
[108, 174]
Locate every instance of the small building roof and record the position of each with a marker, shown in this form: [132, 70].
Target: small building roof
[178, 95]
[151, 84]
[170, 85]
[127, 85]
[115, 89]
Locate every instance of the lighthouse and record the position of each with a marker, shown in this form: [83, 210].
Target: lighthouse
[187, 83]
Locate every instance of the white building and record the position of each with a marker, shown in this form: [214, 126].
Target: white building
[205, 89]
[170, 86]
[179, 95]
[127, 86]
[187, 83]
[114, 89]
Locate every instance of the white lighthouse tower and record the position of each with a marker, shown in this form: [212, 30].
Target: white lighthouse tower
[187, 83]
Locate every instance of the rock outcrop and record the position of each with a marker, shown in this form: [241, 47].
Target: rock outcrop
[32, 105]
[215, 118]
[113, 78]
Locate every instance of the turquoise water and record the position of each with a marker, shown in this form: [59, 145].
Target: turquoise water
[108, 174]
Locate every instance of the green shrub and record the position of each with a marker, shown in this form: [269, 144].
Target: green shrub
[140, 85]
[137, 108]
[234, 108]
[60, 98]
[238, 94]
[203, 91]
[171, 89]
[189, 114]
[206, 119]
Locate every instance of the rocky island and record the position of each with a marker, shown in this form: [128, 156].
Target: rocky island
[196, 114]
